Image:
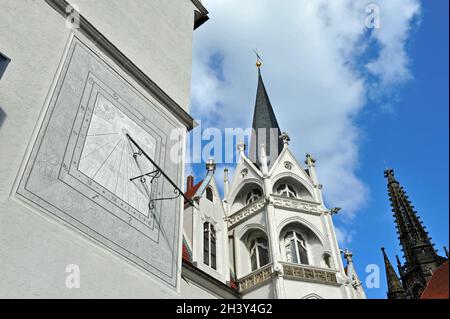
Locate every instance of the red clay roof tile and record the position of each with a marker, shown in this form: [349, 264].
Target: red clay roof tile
[437, 287]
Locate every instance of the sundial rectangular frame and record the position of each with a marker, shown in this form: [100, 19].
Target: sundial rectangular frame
[52, 184]
[100, 194]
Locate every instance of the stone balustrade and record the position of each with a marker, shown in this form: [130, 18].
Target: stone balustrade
[296, 204]
[308, 273]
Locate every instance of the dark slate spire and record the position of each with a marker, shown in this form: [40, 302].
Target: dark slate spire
[395, 287]
[265, 126]
[420, 255]
[399, 266]
[409, 227]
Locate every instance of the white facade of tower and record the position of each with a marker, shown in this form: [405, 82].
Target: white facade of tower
[281, 239]
[304, 254]
[211, 214]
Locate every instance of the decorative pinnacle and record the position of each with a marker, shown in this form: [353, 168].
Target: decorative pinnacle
[348, 255]
[225, 175]
[389, 174]
[263, 160]
[285, 138]
[210, 165]
[310, 161]
[241, 146]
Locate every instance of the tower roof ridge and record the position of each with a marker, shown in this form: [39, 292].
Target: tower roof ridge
[265, 128]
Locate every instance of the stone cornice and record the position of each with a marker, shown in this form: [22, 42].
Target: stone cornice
[245, 213]
[200, 277]
[126, 64]
[296, 204]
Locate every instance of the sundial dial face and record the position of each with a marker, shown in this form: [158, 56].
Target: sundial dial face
[107, 155]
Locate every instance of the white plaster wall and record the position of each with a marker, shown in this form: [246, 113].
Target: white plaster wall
[191, 290]
[214, 213]
[35, 49]
[35, 251]
[155, 34]
[299, 289]
[34, 247]
[265, 291]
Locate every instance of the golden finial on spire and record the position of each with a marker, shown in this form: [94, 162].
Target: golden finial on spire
[258, 59]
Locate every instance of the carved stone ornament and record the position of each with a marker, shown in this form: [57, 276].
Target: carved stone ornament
[245, 213]
[294, 203]
[309, 274]
[288, 165]
[256, 278]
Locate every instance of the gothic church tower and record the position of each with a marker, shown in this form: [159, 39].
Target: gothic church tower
[421, 259]
[282, 242]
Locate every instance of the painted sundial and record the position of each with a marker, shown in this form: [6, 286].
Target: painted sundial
[91, 163]
[110, 159]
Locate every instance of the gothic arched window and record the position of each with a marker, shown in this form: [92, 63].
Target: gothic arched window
[209, 245]
[209, 194]
[259, 253]
[253, 195]
[295, 248]
[286, 190]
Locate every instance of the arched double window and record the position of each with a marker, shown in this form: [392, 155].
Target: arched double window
[209, 245]
[253, 195]
[259, 253]
[295, 248]
[286, 190]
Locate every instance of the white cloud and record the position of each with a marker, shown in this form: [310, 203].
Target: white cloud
[311, 51]
[343, 236]
[391, 64]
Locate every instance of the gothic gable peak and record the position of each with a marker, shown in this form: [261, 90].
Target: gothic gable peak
[287, 163]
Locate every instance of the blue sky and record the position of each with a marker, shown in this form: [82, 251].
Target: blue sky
[414, 141]
[357, 99]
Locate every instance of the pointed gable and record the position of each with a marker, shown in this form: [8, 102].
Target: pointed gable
[205, 184]
[288, 162]
[245, 171]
